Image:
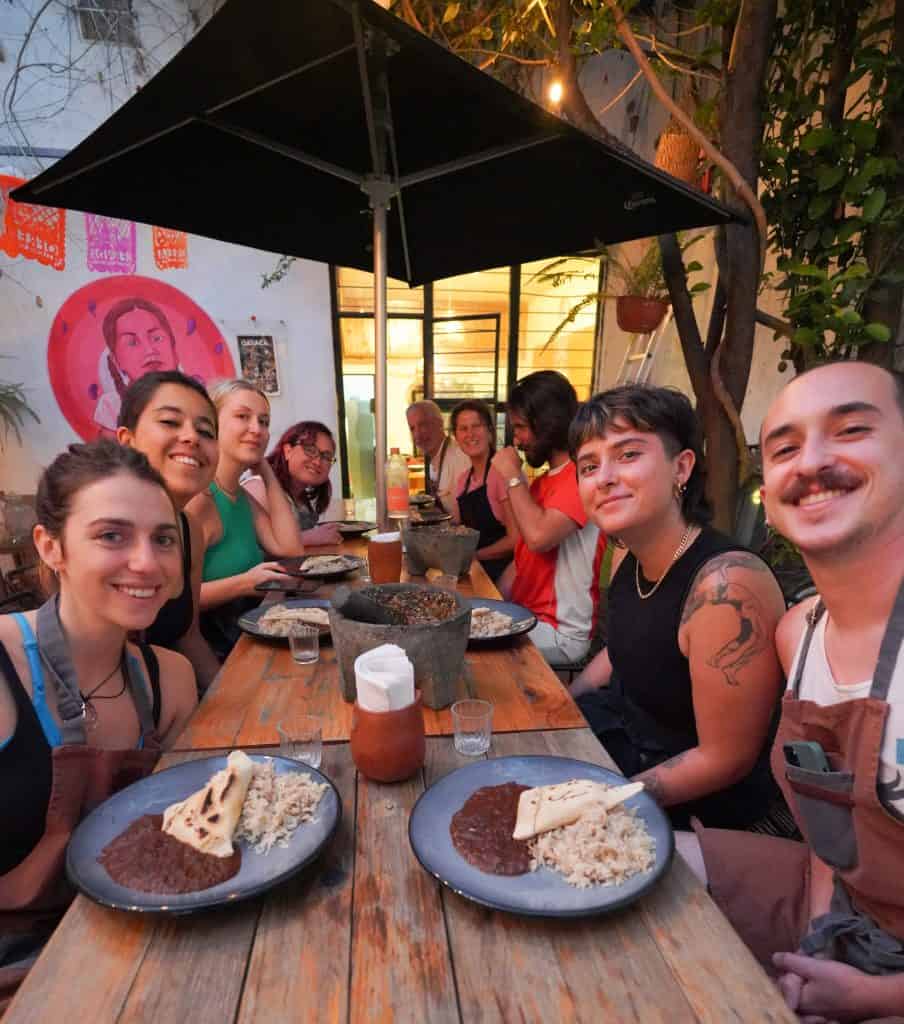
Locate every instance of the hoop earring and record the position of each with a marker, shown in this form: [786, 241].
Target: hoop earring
[679, 490]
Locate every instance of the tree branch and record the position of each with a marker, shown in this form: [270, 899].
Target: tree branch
[781, 327]
[683, 311]
[574, 103]
[716, 319]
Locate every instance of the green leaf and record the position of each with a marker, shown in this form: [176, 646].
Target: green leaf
[863, 133]
[877, 332]
[805, 270]
[849, 228]
[873, 204]
[828, 177]
[700, 286]
[816, 139]
[854, 272]
[451, 12]
[805, 336]
[850, 316]
[694, 266]
[819, 206]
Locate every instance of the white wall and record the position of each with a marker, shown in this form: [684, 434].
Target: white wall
[224, 280]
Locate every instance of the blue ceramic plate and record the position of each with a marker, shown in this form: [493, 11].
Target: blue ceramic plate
[541, 893]
[523, 620]
[250, 621]
[153, 795]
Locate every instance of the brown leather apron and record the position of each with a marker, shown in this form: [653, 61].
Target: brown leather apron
[34, 894]
[840, 813]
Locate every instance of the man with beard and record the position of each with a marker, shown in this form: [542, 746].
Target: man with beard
[444, 461]
[557, 557]
[828, 916]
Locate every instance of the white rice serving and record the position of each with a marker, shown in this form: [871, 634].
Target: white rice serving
[276, 805]
[604, 849]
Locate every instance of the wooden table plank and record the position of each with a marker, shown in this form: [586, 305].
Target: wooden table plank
[299, 968]
[88, 967]
[261, 685]
[400, 968]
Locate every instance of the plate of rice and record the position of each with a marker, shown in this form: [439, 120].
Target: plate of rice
[274, 621]
[577, 870]
[289, 815]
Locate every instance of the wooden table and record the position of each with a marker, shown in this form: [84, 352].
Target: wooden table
[261, 685]
[366, 935]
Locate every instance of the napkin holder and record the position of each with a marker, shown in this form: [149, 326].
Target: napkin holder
[389, 746]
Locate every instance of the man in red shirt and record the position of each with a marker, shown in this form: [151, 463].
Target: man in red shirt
[556, 568]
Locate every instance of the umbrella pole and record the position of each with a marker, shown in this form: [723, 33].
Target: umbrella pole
[379, 214]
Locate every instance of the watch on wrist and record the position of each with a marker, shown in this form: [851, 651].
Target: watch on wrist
[514, 481]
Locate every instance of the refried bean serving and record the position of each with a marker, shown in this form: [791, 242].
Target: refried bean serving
[145, 858]
[482, 831]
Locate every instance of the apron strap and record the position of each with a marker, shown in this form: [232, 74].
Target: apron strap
[813, 616]
[53, 648]
[890, 648]
[54, 651]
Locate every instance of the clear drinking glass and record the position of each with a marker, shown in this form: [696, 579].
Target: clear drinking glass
[304, 741]
[304, 643]
[472, 726]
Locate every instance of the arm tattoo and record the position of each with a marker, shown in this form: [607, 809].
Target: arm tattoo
[713, 587]
[653, 781]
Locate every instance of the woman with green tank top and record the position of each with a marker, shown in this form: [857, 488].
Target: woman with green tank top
[237, 529]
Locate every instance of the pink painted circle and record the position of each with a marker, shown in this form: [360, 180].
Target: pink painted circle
[115, 330]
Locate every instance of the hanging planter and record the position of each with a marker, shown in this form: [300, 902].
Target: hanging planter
[678, 153]
[638, 315]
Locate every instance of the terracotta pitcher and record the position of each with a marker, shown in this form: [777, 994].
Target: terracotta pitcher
[388, 746]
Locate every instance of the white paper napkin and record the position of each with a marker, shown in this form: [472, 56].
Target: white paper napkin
[384, 679]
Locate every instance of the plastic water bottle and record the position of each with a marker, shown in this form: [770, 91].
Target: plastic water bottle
[396, 485]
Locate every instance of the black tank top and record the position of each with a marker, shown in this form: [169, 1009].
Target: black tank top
[174, 618]
[26, 765]
[649, 669]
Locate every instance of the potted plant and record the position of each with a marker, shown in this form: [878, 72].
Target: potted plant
[644, 302]
[642, 298]
[14, 409]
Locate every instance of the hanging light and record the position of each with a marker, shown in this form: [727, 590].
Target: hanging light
[555, 91]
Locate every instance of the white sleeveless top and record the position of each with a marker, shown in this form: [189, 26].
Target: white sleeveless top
[818, 685]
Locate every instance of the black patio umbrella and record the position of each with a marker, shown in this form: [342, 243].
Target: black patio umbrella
[283, 120]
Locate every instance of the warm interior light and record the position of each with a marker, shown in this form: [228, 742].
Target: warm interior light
[555, 91]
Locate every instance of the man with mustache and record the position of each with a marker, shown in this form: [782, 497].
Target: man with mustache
[828, 916]
[555, 572]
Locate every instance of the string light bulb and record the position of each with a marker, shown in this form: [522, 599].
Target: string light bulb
[555, 91]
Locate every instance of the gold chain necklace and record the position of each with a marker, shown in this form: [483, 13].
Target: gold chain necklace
[679, 551]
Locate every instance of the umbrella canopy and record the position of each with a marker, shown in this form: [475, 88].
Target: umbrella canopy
[280, 122]
[258, 133]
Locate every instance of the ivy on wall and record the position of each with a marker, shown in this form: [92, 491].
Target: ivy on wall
[829, 174]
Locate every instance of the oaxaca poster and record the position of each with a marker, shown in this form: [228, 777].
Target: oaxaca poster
[115, 330]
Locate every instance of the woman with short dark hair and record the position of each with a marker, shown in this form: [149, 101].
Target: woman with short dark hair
[684, 695]
[480, 492]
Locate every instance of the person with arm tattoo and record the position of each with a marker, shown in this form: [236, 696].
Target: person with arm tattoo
[684, 695]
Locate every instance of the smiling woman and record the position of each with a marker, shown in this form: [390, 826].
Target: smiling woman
[237, 528]
[171, 418]
[77, 699]
[684, 695]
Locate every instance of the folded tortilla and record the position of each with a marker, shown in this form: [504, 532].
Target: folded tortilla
[207, 819]
[547, 807]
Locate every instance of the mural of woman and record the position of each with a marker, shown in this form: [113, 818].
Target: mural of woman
[139, 340]
[115, 329]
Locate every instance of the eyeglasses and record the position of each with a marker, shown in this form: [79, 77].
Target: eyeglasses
[313, 452]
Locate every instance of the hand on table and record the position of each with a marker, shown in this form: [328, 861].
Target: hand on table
[263, 572]
[325, 533]
[823, 991]
[507, 463]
